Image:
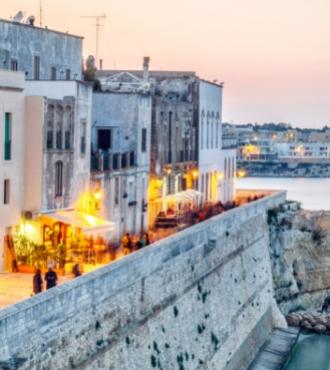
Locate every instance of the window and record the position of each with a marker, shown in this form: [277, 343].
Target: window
[50, 127]
[68, 74]
[59, 127]
[50, 135]
[53, 74]
[104, 139]
[202, 131]
[6, 191]
[144, 140]
[131, 194]
[207, 131]
[37, 68]
[116, 191]
[67, 127]
[8, 136]
[115, 164]
[132, 159]
[59, 139]
[169, 156]
[212, 133]
[13, 65]
[58, 179]
[124, 160]
[83, 138]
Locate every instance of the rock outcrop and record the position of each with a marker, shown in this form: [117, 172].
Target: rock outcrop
[311, 322]
[300, 256]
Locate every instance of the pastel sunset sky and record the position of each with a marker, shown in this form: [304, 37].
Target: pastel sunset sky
[273, 55]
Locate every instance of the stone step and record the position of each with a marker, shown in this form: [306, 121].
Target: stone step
[276, 350]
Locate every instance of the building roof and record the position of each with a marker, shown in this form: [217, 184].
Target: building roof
[154, 74]
[39, 28]
[157, 75]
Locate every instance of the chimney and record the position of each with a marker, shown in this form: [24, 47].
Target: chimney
[101, 64]
[146, 61]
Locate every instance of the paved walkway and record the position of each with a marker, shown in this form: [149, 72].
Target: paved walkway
[18, 286]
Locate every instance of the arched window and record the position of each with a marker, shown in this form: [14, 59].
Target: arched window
[202, 133]
[67, 127]
[208, 131]
[212, 130]
[58, 178]
[225, 169]
[218, 131]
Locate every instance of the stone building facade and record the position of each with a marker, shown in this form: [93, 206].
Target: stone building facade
[58, 162]
[12, 107]
[121, 155]
[173, 152]
[40, 53]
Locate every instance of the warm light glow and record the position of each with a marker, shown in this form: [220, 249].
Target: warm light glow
[220, 176]
[195, 174]
[159, 183]
[241, 173]
[98, 195]
[91, 220]
[250, 149]
[299, 150]
[29, 229]
[89, 202]
[168, 171]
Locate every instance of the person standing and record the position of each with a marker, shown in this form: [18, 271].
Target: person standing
[50, 278]
[78, 268]
[37, 282]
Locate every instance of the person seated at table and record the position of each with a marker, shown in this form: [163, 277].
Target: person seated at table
[127, 244]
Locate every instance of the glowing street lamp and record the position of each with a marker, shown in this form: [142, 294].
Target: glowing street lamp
[194, 174]
[220, 176]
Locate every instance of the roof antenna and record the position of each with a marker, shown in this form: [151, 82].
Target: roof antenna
[98, 24]
[40, 12]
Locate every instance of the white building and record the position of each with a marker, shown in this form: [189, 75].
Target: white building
[216, 166]
[304, 152]
[121, 146]
[12, 112]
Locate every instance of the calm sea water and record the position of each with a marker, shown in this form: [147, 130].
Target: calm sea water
[312, 353]
[314, 194]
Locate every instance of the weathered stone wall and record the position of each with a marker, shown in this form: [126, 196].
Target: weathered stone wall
[300, 255]
[201, 299]
[21, 42]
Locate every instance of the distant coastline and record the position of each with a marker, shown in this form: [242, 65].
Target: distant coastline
[284, 169]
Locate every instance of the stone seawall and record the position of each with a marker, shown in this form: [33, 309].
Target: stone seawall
[201, 299]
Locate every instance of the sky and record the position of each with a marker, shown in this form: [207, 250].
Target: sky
[272, 55]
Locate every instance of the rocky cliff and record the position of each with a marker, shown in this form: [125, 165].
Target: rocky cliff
[300, 256]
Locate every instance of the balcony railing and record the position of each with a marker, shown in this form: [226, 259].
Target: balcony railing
[108, 161]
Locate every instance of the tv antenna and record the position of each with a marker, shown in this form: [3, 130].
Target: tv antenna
[98, 24]
[40, 12]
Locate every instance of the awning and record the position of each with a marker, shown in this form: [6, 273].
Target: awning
[87, 223]
[190, 195]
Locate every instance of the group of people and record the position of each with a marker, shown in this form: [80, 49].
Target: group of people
[51, 277]
[130, 244]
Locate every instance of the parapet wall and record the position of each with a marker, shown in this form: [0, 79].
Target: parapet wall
[200, 299]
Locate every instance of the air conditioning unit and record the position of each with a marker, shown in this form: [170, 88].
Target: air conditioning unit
[29, 215]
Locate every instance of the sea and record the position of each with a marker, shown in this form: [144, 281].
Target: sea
[312, 193]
